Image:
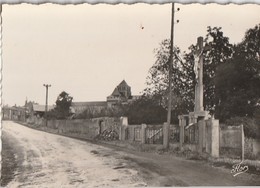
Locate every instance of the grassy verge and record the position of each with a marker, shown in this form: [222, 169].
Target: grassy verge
[253, 165]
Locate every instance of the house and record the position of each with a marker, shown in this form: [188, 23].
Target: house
[39, 110]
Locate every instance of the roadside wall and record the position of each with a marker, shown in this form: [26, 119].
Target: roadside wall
[80, 128]
[87, 128]
[230, 141]
[252, 148]
[230, 137]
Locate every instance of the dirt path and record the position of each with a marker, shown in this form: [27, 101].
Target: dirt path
[47, 160]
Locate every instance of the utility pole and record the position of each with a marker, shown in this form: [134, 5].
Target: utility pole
[1, 108]
[46, 104]
[166, 139]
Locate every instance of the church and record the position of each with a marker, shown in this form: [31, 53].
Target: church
[120, 95]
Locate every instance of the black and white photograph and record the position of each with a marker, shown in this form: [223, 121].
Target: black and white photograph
[129, 95]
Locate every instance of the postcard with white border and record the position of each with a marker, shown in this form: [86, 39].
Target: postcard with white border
[129, 94]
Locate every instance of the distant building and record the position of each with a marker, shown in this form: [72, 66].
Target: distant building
[79, 107]
[39, 110]
[121, 94]
[15, 113]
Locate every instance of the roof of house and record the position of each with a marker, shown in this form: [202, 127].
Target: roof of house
[41, 108]
[93, 103]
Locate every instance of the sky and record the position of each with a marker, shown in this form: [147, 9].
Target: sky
[87, 50]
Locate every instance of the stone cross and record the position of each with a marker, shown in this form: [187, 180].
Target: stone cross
[198, 70]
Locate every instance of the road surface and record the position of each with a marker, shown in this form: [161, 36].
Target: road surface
[48, 160]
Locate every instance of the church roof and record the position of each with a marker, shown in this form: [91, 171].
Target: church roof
[116, 92]
[123, 83]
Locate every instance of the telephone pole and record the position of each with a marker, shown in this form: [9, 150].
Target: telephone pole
[1, 100]
[166, 139]
[46, 104]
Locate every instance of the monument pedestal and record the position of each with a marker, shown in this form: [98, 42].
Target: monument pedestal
[190, 120]
[199, 117]
[207, 135]
[212, 133]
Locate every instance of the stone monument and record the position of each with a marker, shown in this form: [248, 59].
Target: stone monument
[198, 115]
[207, 128]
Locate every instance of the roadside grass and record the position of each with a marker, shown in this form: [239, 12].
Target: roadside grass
[223, 161]
[253, 165]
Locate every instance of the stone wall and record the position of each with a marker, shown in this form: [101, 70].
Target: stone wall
[231, 141]
[84, 128]
[252, 148]
[80, 128]
[230, 137]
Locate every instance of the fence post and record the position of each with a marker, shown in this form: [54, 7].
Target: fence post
[215, 137]
[122, 128]
[143, 133]
[208, 136]
[182, 123]
[202, 134]
[165, 131]
[243, 143]
[132, 133]
[122, 132]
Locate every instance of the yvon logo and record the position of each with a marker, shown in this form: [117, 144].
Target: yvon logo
[239, 169]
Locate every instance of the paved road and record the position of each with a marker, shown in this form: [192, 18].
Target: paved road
[47, 160]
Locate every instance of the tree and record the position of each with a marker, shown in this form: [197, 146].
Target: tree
[237, 81]
[221, 50]
[145, 110]
[63, 104]
[251, 43]
[237, 89]
[158, 80]
[231, 76]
